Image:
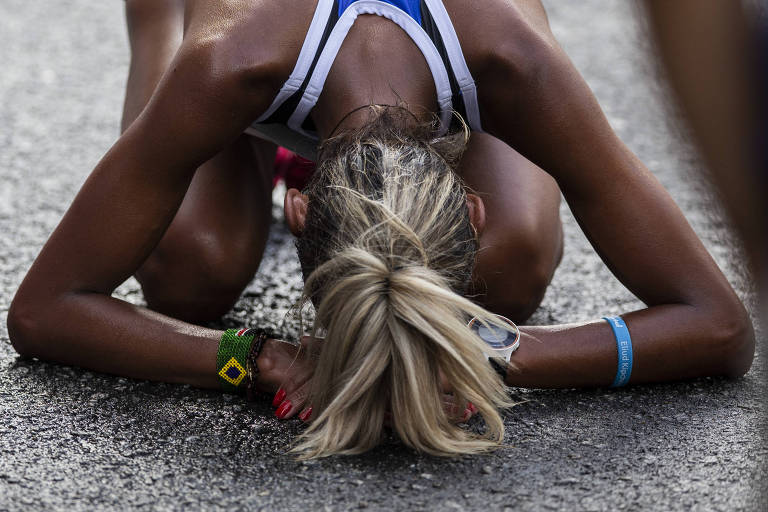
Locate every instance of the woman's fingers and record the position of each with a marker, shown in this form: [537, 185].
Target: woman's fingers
[293, 402]
[454, 410]
[290, 399]
[462, 413]
[306, 414]
[275, 362]
[451, 408]
[279, 397]
[445, 384]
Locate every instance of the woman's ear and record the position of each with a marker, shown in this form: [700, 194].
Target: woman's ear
[476, 213]
[295, 208]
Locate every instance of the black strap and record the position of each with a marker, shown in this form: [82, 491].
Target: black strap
[500, 366]
[430, 27]
[286, 110]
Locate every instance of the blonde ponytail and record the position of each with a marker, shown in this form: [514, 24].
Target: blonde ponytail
[386, 247]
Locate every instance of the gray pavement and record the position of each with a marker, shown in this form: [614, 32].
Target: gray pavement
[82, 441]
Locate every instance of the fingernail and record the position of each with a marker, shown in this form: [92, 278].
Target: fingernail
[471, 407]
[284, 409]
[279, 397]
[467, 414]
[305, 414]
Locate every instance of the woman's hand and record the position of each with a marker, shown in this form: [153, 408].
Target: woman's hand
[286, 368]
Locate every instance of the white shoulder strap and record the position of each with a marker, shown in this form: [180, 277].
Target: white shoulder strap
[458, 63]
[306, 56]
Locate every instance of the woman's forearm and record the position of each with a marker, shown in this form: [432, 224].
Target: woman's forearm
[670, 342]
[105, 334]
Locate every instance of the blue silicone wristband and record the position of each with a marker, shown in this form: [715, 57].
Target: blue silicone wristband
[624, 347]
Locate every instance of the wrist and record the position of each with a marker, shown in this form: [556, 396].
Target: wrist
[267, 380]
[519, 367]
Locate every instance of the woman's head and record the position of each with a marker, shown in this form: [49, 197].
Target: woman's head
[387, 249]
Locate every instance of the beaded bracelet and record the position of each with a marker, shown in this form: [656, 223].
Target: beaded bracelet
[251, 368]
[231, 358]
[236, 358]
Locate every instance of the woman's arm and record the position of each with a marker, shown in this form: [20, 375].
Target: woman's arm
[694, 324]
[63, 310]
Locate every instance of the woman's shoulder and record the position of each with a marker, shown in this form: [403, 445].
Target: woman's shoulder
[255, 39]
[494, 28]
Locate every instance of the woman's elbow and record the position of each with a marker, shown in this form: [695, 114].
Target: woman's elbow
[735, 340]
[23, 326]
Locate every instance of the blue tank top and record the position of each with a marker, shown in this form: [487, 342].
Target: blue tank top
[412, 7]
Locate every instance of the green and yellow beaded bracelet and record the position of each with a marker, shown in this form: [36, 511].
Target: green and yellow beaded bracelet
[236, 358]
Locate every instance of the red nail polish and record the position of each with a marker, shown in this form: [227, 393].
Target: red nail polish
[279, 397]
[467, 414]
[305, 414]
[471, 407]
[284, 409]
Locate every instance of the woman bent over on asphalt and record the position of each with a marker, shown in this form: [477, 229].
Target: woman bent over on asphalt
[406, 230]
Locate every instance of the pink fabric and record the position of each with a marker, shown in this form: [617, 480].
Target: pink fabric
[294, 170]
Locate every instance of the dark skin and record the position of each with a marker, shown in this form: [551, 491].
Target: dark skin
[172, 201]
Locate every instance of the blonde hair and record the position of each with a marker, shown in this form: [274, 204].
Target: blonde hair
[387, 251]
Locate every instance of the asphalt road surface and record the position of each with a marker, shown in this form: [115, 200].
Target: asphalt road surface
[83, 441]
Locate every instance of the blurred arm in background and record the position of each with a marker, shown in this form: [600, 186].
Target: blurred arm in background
[715, 60]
